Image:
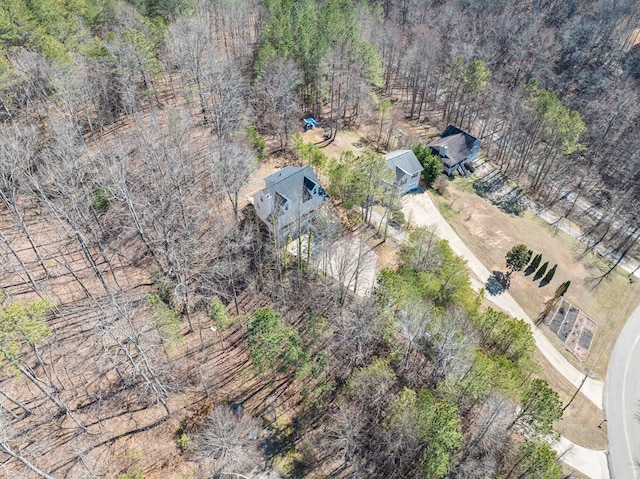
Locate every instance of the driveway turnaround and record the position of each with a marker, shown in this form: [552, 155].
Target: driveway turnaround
[419, 210]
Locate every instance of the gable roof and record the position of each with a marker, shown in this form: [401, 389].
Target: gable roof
[454, 145]
[404, 160]
[281, 175]
[289, 194]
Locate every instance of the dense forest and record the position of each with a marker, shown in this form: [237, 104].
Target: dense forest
[149, 326]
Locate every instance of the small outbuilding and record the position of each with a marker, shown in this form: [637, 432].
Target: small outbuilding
[457, 149]
[407, 169]
[309, 123]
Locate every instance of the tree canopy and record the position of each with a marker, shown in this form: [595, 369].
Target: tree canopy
[53, 28]
[21, 323]
[431, 164]
[518, 257]
[437, 424]
[274, 345]
[361, 181]
[541, 407]
[560, 126]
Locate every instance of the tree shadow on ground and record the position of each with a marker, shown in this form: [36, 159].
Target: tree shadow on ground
[529, 271]
[539, 274]
[497, 283]
[543, 283]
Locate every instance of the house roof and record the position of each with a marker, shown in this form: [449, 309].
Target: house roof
[290, 186]
[281, 175]
[459, 145]
[404, 160]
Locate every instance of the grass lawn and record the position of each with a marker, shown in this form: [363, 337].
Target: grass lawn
[581, 419]
[490, 233]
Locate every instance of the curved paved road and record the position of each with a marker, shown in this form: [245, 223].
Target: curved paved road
[622, 393]
[419, 209]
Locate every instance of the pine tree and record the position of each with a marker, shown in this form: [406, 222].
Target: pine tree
[432, 167]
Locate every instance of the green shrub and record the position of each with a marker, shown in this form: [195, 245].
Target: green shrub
[481, 188]
[259, 144]
[396, 218]
[515, 208]
[100, 199]
[134, 472]
[167, 320]
[218, 314]
[183, 442]
[431, 164]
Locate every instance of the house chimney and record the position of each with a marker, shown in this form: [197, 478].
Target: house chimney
[444, 150]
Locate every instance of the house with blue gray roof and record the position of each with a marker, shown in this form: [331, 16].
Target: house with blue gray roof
[291, 197]
[407, 169]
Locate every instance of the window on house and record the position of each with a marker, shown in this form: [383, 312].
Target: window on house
[282, 203]
[309, 189]
[306, 194]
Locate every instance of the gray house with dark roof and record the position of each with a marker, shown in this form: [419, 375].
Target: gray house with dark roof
[291, 197]
[456, 148]
[407, 168]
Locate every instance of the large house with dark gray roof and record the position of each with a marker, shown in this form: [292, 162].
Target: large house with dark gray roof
[407, 169]
[291, 197]
[456, 149]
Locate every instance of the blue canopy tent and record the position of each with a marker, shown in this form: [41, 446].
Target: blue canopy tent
[309, 123]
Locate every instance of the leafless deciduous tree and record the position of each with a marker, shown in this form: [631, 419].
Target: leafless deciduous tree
[238, 26]
[189, 41]
[414, 319]
[33, 72]
[227, 443]
[225, 98]
[13, 453]
[487, 438]
[358, 333]
[347, 88]
[276, 101]
[344, 436]
[220, 86]
[230, 164]
[448, 344]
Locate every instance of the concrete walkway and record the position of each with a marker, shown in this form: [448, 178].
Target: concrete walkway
[419, 210]
[591, 463]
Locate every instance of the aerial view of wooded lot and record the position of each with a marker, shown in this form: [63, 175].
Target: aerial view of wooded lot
[209, 267]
